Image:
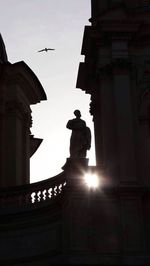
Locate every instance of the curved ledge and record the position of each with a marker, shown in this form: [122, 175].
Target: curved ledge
[28, 195]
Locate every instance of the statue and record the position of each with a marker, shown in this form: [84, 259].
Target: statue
[80, 140]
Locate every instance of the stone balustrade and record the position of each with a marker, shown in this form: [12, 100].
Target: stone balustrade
[32, 193]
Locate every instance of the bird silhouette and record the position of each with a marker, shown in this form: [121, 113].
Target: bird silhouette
[46, 50]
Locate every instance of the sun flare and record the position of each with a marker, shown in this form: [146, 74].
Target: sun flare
[91, 180]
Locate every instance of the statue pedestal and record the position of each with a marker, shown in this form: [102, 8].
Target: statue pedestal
[73, 164]
[75, 168]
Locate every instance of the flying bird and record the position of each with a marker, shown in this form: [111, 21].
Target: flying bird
[46, 50]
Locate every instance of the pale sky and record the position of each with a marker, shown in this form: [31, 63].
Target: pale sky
[28, 26]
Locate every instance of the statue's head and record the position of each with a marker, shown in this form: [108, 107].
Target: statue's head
[77, 113]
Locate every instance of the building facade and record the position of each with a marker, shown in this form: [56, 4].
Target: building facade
[60, 220]
[20, 88]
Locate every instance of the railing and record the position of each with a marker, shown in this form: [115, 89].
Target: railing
[33, 193]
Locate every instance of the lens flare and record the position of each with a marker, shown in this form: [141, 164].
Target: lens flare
[91, 180]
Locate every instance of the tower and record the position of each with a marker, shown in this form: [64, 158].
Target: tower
[19, 88]
[116, 75]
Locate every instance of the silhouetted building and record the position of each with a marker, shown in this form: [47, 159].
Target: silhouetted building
[20, 88]
[59, 220]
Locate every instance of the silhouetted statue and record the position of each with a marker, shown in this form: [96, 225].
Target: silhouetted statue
[80, 140]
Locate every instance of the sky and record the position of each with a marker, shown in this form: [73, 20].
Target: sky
[31, 25]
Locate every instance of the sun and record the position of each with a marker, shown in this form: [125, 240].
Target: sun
[91, 180]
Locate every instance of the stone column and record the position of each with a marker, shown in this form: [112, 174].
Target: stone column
[124, 122]
[16, 139]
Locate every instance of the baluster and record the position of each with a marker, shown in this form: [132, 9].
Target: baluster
[55, 190]
[46, 194]
[39, 196]
[33, 197]
[60, 188]
[43, 195]
[50, 193]
[36, 196]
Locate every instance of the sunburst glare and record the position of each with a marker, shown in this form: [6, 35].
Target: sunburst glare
[91, 180]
